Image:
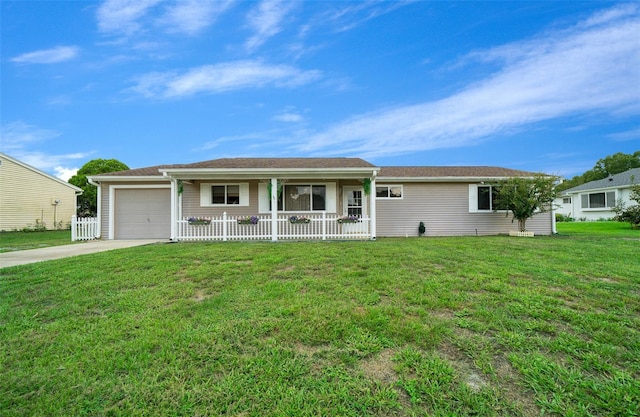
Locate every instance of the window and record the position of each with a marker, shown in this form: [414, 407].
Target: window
[300, 197]
[566, 200]
[297, 197]
[483, 198]
[602, 200]
[487, 195]
[389, 191]
[224, 194]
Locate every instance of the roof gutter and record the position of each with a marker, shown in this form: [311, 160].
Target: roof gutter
[441, 179]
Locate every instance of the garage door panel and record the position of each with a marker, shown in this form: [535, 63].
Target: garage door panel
[143, 214]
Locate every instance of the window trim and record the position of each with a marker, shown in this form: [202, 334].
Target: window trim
[264, 200]
[206, 194]
[388, 187]
[311, 209]
[473, 200]
[608, 203]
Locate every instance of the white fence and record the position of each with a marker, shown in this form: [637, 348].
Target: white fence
[317, 226]
[84, 228]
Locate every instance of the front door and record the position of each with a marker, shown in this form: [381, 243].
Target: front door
[353, 202]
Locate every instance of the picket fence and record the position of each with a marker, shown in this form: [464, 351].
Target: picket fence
[84, 228]
[225, 228]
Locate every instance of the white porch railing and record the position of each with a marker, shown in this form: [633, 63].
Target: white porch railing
[84, 228]
[320, 226]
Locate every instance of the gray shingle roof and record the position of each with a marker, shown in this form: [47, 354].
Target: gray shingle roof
[281, 163]
[251, 163]
[450, 171]
[622, 179]
[329, 163]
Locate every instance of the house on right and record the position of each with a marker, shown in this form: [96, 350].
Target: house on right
[595, 200]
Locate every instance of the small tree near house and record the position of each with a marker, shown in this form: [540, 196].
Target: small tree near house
[525, 196]
[629, 214]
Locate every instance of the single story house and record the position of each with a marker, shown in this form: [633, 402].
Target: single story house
[301, 198]
[595, 200]
[30, 198]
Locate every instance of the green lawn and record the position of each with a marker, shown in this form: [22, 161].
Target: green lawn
[14, 241]
[597, 229]
[418, 326]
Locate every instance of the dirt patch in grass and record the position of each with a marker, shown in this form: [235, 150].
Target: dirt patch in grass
[380, 367]
[510, 377]
[200, 296]
[468, 372]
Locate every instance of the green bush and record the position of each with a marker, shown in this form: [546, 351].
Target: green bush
[629, 214]
[564, 218]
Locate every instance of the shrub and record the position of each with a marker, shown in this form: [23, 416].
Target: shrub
[629, 214]
[564, 218]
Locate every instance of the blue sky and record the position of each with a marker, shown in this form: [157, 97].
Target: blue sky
[548, 86]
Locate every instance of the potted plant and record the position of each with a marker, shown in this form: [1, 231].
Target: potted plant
[248, 220]
[348, 219]
[299, 220]
[199, 221]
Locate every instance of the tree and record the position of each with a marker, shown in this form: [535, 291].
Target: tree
[525, 196]
[87, 202]
[629, 214]
[609, 165]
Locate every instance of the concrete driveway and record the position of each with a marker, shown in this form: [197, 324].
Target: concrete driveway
[23, 257]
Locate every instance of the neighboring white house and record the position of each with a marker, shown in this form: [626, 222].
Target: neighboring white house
[595, 200]
[30, 197]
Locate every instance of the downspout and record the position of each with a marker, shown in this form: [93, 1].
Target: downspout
[553, 219]
[98, 207]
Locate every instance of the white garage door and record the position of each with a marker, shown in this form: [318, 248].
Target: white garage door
[143, 214]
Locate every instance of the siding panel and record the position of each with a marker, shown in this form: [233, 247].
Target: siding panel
[27, 196]
[444, 208]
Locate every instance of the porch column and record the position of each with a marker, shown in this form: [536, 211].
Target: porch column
[372, 206]
[274, 209]
[99, 212]
[174, 205]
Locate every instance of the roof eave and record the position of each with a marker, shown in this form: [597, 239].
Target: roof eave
[127, 178]
[441, 179]
[265, 173]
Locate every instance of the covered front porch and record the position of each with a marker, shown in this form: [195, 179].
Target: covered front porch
[274, 203]
[285, 227]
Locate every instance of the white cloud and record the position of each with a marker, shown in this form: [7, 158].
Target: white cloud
[192, 16]
[220, 78]
[288, 117]
[583, 70]
[17, 135]
[633, 134]
[356, 14]
[265, 20]
[65, 173]
[122, 16]
[48, 56]
[17, 138]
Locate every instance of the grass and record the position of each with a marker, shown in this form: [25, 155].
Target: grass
[487, 326]
[598, 228]
[15, 241]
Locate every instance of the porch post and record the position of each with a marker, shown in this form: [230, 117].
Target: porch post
[274, 209]
[99, 212]
[372, 206]
[174, 214]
